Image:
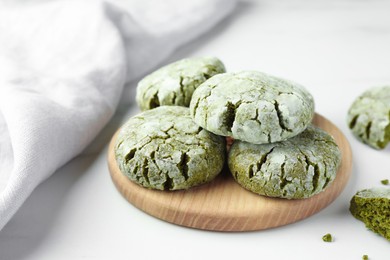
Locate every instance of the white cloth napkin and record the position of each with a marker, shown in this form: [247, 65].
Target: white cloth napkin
[63, 65]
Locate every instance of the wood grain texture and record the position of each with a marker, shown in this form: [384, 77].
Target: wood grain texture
[223, 205]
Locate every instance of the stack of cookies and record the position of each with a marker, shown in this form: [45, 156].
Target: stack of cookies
[276, 152]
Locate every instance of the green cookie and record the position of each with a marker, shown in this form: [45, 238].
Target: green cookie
[252, 106]
[369, 117]
[372, 206]
[174, 84]
[164, 149]
[293, 169]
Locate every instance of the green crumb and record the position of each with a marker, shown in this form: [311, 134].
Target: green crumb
[327, 238]
[365, 257]
[385, 182]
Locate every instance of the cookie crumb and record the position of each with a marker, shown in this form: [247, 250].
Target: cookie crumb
[365, 257]
[385, 182]
[327, 238]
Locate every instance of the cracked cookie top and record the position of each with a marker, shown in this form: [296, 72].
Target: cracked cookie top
[369, 117]
[299, 167]
[173, 84]
[252, 106]
[377, 192]
[164, 149]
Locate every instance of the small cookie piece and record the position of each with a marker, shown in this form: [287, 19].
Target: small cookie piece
[173, 84]
[369, 117]
[297, 168]
[252, 106]
[372, 206]
[327, 238]
[164, 149]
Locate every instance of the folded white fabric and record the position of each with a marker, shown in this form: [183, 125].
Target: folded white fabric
[63, 65]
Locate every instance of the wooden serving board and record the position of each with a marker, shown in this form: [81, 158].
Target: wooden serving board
[223, 205]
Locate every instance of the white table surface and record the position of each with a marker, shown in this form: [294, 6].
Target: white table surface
[337, 49]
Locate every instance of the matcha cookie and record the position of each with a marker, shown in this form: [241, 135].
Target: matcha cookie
[173, 84]
[293, 169]
[164, 149]
[369, 117]
[372, 206]
[252, 106]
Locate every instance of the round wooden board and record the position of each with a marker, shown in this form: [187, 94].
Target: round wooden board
[223, 205]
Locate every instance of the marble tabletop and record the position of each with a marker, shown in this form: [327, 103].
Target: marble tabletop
[337, 49]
